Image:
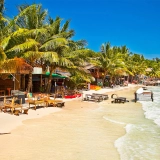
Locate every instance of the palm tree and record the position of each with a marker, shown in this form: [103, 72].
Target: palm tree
[59, 50]
[136, 65]
[1, 6]
[24, 42]
[155, 68]
[3, 33]
[109, 59]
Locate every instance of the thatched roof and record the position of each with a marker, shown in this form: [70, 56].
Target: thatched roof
[15, 65]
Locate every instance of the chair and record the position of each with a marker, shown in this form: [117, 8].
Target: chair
[35, 102]
[54, 102]
[8, 105]
[18, 108]
[1, 105]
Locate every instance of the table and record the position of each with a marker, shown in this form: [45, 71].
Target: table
[96, 98]
[120, 100]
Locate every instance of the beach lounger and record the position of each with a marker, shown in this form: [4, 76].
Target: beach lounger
[21, 109]
[34, 102]
[54, 102]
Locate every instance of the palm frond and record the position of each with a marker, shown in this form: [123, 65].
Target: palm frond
[65, 26]
[54, 43]
[50, 57]
[2, 55]
[29, 44]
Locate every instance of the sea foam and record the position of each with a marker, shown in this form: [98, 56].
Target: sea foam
[113, 121]
[142, 139]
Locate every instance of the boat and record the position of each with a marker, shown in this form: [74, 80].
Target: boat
[143, 94]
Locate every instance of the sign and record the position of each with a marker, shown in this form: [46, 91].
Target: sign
[37, 70]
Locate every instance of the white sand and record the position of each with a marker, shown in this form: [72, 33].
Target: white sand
[78, 131]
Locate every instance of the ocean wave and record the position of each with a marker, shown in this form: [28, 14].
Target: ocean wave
[141, 141]
[113, 121]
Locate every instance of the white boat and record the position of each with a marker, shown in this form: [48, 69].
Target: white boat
[139, 91]
[143, 94]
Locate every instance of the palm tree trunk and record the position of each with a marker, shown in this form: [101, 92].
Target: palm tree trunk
[105, 74]
[29, 88]
[49, 83]
[49, 80]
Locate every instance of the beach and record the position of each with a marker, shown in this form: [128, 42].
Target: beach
[79, 131]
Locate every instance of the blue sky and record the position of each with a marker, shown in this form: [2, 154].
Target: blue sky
[134, 23]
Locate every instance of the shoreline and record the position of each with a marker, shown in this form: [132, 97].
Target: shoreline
[12, 121]
[79, 129]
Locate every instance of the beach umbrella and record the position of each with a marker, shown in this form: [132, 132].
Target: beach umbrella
[55, 75]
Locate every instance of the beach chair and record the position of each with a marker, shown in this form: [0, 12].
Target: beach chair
[36, 102]
[8, 105]
[1, 105]
[20, 108]
[12, 106]
[55, 103]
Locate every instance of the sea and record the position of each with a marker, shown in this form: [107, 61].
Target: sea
[142, 138]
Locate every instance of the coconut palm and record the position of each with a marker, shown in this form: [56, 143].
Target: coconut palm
[136, 64]
[24, 42]
[64, 58]
[110, 60]
[3, 31]
[154, 65]
[59, 50]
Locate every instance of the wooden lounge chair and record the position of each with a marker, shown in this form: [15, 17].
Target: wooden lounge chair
[1, 106]
[8, 105]
[35, 102]
[14, 107]
[19, 108]
[55, 103]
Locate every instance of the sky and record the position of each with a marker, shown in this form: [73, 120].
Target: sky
[134, 23]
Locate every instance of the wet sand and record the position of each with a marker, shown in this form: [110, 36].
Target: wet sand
[79, 131]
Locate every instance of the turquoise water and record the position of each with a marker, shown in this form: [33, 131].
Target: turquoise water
[142, 139]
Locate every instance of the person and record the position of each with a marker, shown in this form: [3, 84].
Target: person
[88, 86]
[112, 85]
